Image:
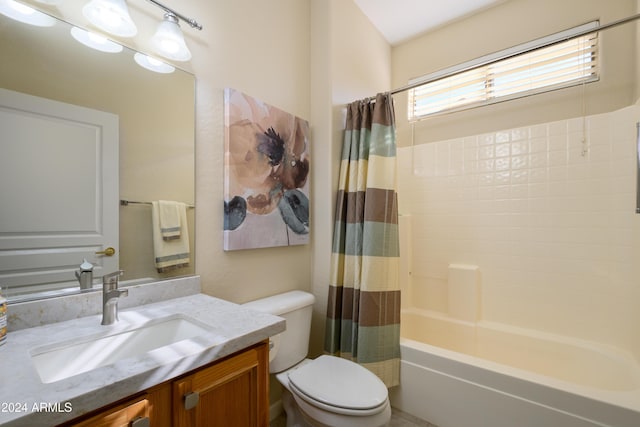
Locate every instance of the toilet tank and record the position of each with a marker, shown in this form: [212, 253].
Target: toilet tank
[291, 346]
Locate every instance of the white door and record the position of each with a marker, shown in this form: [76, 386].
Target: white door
[58, 190]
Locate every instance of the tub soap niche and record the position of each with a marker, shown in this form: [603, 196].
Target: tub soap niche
[463, 287]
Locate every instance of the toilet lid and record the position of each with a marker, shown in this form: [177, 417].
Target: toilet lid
[339, 383]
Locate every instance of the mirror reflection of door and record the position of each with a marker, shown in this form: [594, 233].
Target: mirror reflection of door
[65, 158]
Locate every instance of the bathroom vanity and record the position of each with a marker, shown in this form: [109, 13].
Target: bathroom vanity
[231, 392]
[170, 360]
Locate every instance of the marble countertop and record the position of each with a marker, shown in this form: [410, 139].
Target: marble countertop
[22, 393]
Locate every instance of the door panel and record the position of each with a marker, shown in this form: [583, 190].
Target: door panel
[233, 392]
[67, 157]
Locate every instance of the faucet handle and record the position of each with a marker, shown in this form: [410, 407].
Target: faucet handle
[108, 278]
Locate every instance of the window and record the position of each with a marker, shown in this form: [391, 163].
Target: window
[539, 66]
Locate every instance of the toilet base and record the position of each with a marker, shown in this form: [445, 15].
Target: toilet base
[296, 416]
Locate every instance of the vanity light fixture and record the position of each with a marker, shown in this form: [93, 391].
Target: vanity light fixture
[111, 16]
[25, 14]
[153, 64]
[95, 41]
[168, 40]
[192, 22]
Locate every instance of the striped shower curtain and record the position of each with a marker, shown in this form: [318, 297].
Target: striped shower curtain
[363, 311]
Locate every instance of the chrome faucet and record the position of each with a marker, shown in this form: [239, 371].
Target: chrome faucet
[110, 296]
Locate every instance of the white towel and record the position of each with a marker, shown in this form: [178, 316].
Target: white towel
[174, 253]
[170, 217]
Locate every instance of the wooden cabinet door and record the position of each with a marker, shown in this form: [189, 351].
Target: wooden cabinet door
[129, 414]
[152, 409]
[233, 392]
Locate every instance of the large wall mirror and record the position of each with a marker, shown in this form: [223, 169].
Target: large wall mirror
[155, 114]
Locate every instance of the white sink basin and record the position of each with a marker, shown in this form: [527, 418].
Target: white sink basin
[63, 360]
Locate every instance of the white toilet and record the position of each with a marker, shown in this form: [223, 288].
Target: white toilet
[327, 391]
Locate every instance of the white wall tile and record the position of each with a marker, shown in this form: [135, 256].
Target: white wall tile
[552, 230]
[503, 136]
[503, 150]
[538, 131]
[487, 139]
[502, 163]
[486, 152]
[557, 128]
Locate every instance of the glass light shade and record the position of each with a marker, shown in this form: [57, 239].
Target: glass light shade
[111, 16]
[153, 64]
[25, 14]
[168, 40]
[95, 41]
[50, 2]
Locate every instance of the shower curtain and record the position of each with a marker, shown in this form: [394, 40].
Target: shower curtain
[363, 310]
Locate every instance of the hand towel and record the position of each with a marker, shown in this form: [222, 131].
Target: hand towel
[170, 215]
[170, 254]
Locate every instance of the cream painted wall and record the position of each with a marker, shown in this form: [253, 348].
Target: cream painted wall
[508, 24]
[637, 63]
[262, 49]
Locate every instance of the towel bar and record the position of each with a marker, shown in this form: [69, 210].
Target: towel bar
[132, 202]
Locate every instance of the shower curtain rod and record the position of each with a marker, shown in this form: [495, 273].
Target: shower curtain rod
[480, 64]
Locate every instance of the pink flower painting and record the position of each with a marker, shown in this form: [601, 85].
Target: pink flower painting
[266, 175]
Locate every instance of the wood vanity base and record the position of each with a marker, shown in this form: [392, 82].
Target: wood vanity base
[233, 391]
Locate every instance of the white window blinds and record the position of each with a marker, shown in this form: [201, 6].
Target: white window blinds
[509, 74]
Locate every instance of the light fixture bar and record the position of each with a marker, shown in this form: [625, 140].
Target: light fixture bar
[192, 22]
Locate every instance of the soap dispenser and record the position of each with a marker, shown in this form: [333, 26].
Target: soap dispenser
[85, 275]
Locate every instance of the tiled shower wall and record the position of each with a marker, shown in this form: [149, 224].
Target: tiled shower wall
[548, 214]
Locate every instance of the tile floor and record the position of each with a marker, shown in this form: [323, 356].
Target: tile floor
[398, 419]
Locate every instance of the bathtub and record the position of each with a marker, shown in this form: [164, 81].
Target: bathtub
[474, 374]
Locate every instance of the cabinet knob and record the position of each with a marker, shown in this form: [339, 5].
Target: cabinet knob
[140, 422]
[191, 400]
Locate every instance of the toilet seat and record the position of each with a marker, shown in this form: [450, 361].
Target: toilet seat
[340, 386]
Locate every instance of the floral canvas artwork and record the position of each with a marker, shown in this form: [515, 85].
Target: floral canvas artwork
[266, 175]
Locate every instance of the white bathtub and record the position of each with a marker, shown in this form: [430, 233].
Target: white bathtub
[464, 374]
